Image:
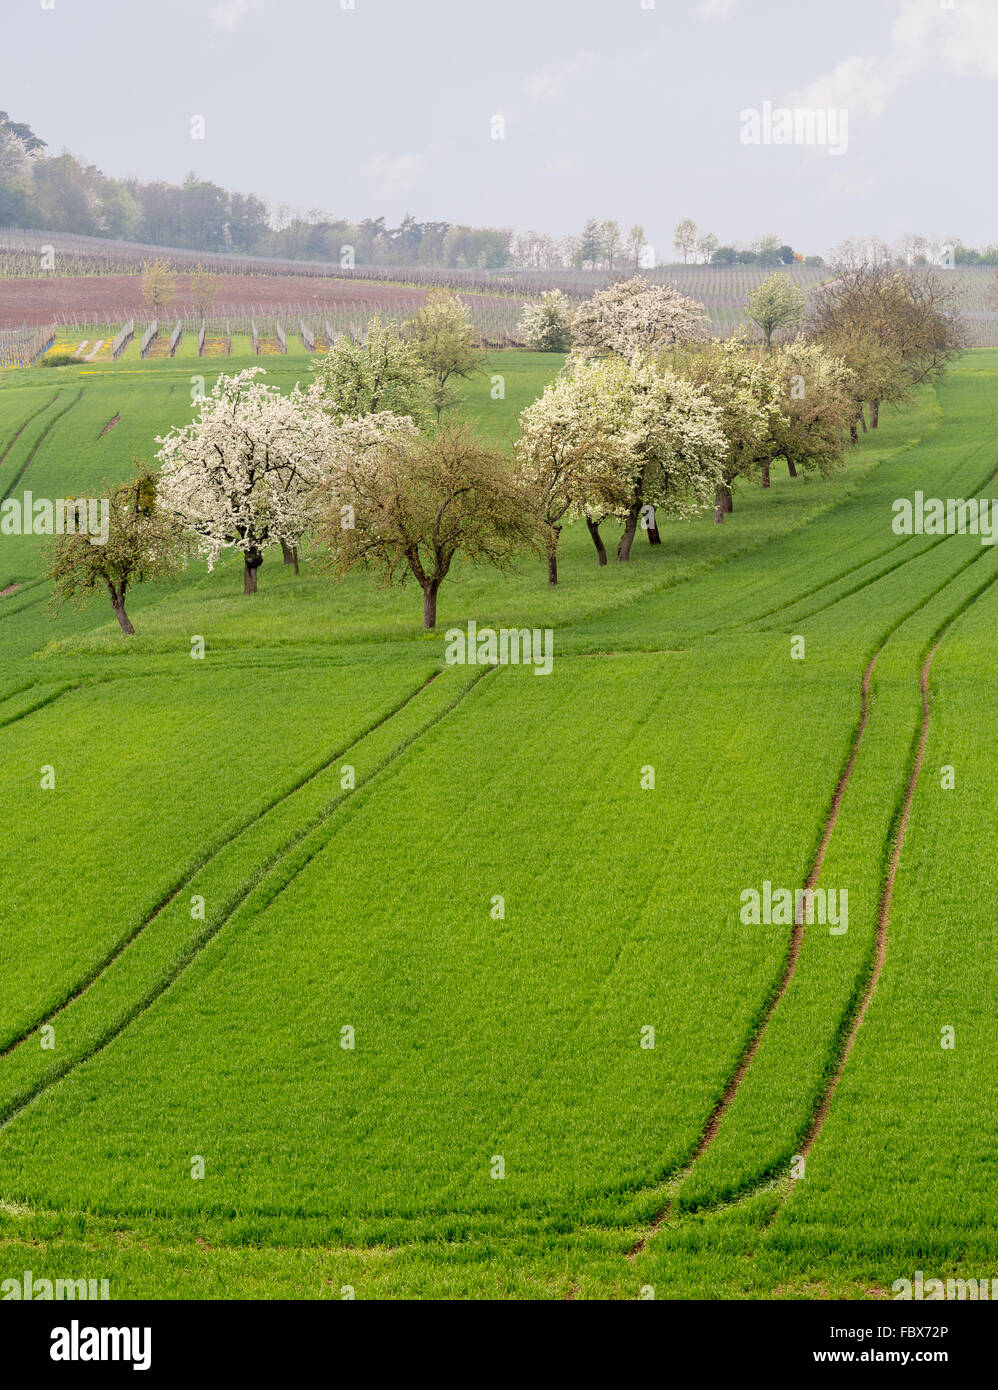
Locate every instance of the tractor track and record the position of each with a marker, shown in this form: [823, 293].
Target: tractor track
[13, 1108]
[40, 441]
[887, 892]
[124, 942]
[789, 969]
[856, 1010]
[785, 1187]
[733, 1086]
[32, 709]
[22, 427]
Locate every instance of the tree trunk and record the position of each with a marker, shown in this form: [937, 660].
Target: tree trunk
[253, 559]
[653, 536]
[123, 619]
[791, 468]
[597, 540]
[630, 527]
[765, 473]
[290, 553]
[853, 433]
[874, 414]
[430, 606]
[862, 421]
[551, 541]
[722, 503]
[117, 593]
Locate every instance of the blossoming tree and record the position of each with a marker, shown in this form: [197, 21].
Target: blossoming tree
[747, 394]
[619, 438]
[572, 456]
[817, 395]
[445, 340]
[546, 324]
[240, 475]
[673, 431]
[636, 316]
[382, 373]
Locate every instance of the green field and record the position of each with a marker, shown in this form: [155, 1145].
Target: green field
[140, 1034]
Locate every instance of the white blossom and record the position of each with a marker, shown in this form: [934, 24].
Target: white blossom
[239, 476]
[636, 316]
[546, 324]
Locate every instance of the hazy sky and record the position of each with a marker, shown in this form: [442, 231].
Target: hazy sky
[613, 108]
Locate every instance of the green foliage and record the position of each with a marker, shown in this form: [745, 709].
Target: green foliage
[142, 544]
[65, 194]
[406, 506]
[444, 339]
[776, 303]
[159, 284]
[383, 372]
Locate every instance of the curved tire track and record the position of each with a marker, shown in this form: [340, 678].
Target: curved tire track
[33, 709]
[716, 1117]
[12, 1109]
[22, 427]
[136, 931]
[887, 892]
[40, 441]
[857, 1009]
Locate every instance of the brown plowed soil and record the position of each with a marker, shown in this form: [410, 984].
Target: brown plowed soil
[120, 296]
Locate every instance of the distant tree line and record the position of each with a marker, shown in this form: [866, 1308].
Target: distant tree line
[704, 248]
[59, 193]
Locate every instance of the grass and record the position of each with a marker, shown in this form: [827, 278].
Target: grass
[483, 1035]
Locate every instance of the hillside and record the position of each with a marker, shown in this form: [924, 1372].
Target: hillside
[220, 948]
